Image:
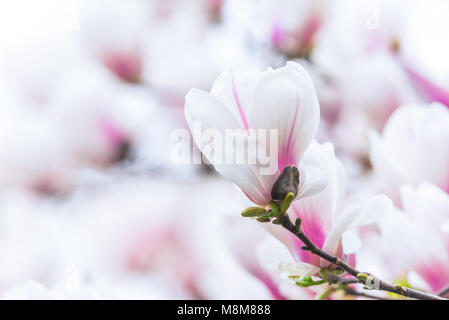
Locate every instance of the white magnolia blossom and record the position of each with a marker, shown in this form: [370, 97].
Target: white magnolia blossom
[411, 246]
[113, 33]
[284, 100]
[383, 87]
[289, 26]
[413, 148]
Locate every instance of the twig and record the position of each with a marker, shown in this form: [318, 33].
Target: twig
[334, 279]
[352, 292]
[367, 279]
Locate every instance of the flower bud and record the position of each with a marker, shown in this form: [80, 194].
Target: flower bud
[288, 181]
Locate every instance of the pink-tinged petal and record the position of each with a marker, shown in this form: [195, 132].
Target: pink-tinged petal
[305, 35]
[112, 133]
[435, 273]
[432, 92]
[236, 91]
[316, 211]
[313, 228]
[285, 100]
[408, 145]
[202, 108]
[126, 65]
[278, 34]
[415, 247]
[292, 243]
[375, 209]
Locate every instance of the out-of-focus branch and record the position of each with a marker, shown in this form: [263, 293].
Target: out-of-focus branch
[444, 292]
[352, 292]
[365, 278]
[334, 279]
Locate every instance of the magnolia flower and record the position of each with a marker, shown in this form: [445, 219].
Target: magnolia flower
[113, 33]
[412, 246]
[424, 57]
[290, 26]
[427, 206]
[411, 253]
[413, 148]
[383, 87]
[281, 101]
[328, 223]
[430, 90]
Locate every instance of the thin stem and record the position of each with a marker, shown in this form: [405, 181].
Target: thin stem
[352, 292]
[334, 279]
[365, 278]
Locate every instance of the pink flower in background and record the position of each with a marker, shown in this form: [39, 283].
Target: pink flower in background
[126, 65]
[428, 206]
[413, 148]
[431, 91]
[412, 246]
[283, 100]
[414, 254]
[113, 33]
[289, 26]
[326, 220]
[382, 87]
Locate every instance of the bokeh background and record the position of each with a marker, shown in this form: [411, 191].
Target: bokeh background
[91, 203]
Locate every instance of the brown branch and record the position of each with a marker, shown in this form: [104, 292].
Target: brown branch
[355, 293]
[365, 278]
[334, 279]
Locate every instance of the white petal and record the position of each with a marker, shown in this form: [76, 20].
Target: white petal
[250, 178]
[270, 253]
[285, 100]
[331, 244]
[351, 241]
[236, 91]
[375, 209]
[416, 281]
[204, 110]
[298, 268]
[445, 227]
[408, 144]
[384, 166]
[320, 168]
[426, 204]
[321, 172]
[312, 180]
